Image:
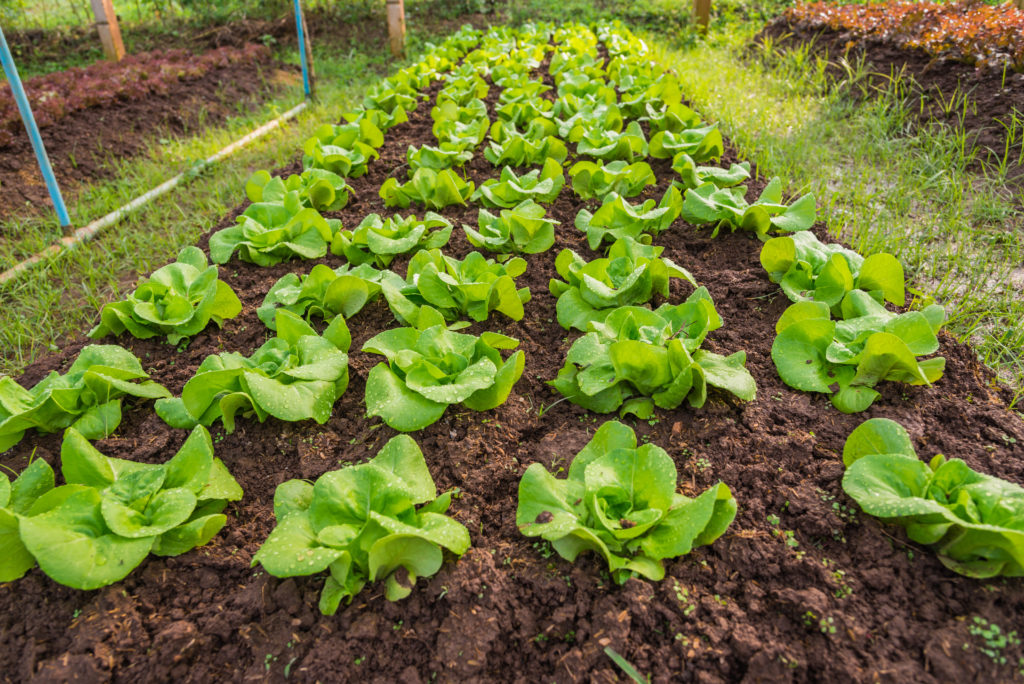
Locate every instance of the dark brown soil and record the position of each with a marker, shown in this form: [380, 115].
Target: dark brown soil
[748, 608]
[88, 144]
[991, 94]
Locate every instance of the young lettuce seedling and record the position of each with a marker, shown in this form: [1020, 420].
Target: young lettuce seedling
[381, 240]
[176, 301]
[362, 524]
[297, 375]
[111, 513]
[430, 367]
[621, 502]
[974, 522]
[87, 397]
[323, 293]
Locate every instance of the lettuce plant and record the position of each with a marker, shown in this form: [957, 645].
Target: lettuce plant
[521, 113]
[508, 190]
[387, 97]
[384, 120]
[575, 117]
[463, 90]
[620, 502]
[700, 144]
[523, 229]
[631, 274]
[974, 522]
[708, 203]
[617, 218]
[637, 92]
[444, 156]
[316, 188]
[848, 358]
[442, 284]
[380, 240]
[433, 189]
[324, 292]
[590, 180]
[518, 150]
[87, 397]
[361, 524]
[808, 270]
[462, 125]
[637, 359]
[345, 149]
[431, 367]
[691, 175]
[268, 234]
[630, 145]
[176, 301]
[674, 117]
[297, 375]
[110, 513]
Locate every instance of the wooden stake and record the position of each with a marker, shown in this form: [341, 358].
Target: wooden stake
[396, 26]
[109, 30]
[702, 11]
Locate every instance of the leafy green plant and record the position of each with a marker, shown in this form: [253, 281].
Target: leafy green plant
[537, 144]
[384, 120]
[691, 175]
[317, 188]
[433, 189]
[637, 359]
[380, 240]
[700, 144]
[631, 274]
[463, 90]
[177, 301]
[268, 234]
[522, 229]
[324, 293]
[674, 117]
[297, 375]
[522, 112]
[387, 97]
[617, 218]
[431, 367]
[461, 125]
[590, 179]
[442, 284]
[620, 502]
[110, 513]
[361, 524]
[575, 117]
[446, 155]
[808, 270]
[708, 203]
[345, 149]
[848, 358]
[87, 397]
[630, 145]
[974, 522]
[508, 190]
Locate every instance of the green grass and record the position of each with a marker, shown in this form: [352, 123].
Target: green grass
[883, 182]
[47, 305]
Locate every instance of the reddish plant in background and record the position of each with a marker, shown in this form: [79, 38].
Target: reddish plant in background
[966, 31]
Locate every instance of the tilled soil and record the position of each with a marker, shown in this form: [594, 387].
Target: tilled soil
[87, 144]
[991, 95]
[827, 594]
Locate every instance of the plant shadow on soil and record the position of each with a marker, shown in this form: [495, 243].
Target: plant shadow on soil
[750, 607]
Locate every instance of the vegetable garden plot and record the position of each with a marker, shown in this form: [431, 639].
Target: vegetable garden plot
[800, 585]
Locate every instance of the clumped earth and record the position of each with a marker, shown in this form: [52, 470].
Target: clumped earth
[802, 587]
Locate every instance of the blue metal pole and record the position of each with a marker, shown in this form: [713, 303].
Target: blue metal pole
[33, 130]
[302, 48]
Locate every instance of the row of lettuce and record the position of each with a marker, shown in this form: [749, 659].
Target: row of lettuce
[384, 520]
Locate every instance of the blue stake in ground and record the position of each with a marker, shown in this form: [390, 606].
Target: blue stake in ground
[33, 130]
[302, 49]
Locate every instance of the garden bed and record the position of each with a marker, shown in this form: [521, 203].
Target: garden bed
[801, 587]
[87, 143]
[955, 92]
